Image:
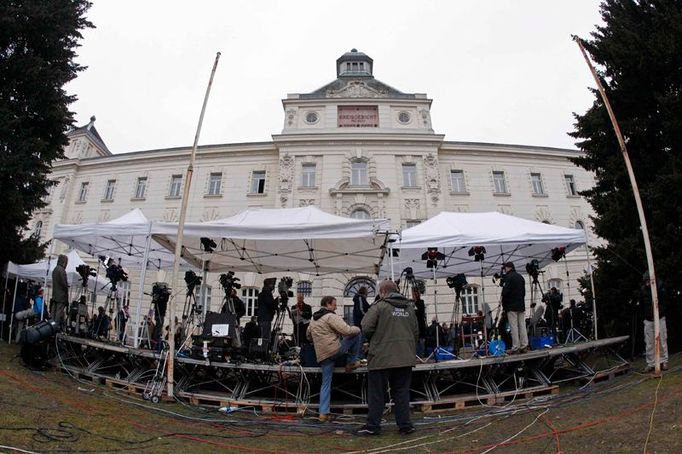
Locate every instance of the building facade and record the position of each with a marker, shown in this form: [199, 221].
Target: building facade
[355, 147]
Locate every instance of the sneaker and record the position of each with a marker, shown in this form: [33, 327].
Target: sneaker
[352, 366]
[368, 431]
[407, 430]
[363, 362]
[523, 350]
[326, 418]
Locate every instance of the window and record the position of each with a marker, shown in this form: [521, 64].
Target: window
[214, 181]
[358, 174]
[457, 180]
[536, 181]
[308, 175]
[141, 187]
[469, 300]
[499, 182]
[556, 283]
[258, 182]
[570, 185]
[360, 214]
[38, 229]
[205, 298]
[250, 298]
[354, 285]
[83, 195]
[304, 288]
[409, 175]
[348, 314]
[580, 225]
[176, 183]
[109, 190]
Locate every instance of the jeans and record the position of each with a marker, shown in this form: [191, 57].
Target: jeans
[349, 346]
[517, 322]
[399, 379]
[651, 341]
[265, 328]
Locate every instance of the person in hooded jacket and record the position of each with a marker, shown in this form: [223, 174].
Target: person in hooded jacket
[391, 327]
[332, 338]
[60, 291]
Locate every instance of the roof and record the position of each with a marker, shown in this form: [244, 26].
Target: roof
[90, 131]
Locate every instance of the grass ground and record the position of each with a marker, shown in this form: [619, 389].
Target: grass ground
[51, 412]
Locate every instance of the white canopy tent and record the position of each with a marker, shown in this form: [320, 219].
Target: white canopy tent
[505, 239]
[127, 238]
[261, 240]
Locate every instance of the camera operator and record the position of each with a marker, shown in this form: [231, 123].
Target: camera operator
[251, 330]
[553, 301]
[100, 325]
[122, 319]
[649, 339]
[60, 291]
[267, 306]
[420, 311]
[235, 306]
[514, 305]
[301, 313]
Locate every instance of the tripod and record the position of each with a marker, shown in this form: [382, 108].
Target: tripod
[79, 310]
[573, 334]
[278, 325]
[191, 312]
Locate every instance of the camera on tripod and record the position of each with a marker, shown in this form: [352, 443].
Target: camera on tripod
[192, 280]
[115, 273]
[85, 272]
[533, 269]
[228, 281]
[284, 290]
[458, 282]
[500, 277]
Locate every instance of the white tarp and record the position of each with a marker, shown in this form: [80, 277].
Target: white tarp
[122, 238]
[42, 270]
[505, 238]
[261, 240]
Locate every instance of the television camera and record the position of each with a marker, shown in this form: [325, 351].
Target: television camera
[533, 269]
[228, 281]
[192, 281]
[115, 273]
[457, 282]
[499, 277]
[284, 290]
[85, 272]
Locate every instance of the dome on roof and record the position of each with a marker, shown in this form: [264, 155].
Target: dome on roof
[354, 64]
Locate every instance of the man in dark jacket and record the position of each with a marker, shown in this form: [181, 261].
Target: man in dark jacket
[390, 326]
[514, 304]
[360, 306]
[266, 308]
[301, 313]
[60, 291]
[420, 310]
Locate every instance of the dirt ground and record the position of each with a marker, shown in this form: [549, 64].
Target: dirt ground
[51, 412]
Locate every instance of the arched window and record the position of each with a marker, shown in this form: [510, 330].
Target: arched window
[469, 300]
[360, 214]
[579, 225]
[354, 285]
[38, 229]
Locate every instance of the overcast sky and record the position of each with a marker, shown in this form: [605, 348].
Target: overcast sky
[497, 71]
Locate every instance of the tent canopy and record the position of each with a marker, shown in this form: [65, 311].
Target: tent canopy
[505, 239]
[42, 270]
[261, 240]
[122, 238]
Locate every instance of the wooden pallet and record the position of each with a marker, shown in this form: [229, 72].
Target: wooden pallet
[608, 375]
[218, 400]
[472, 400]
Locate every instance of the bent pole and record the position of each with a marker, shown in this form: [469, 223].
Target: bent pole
[181, 229]
[640, 210]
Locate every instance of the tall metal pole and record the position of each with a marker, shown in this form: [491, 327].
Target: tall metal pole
[640, 210]
[181, 229]
[143, 278]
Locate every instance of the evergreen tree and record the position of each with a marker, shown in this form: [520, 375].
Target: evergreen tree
[638, 52]
[38, 39]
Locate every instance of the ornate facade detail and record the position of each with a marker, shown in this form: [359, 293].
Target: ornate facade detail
[542, 214]
[460, 208]
[104, 216]
[170, 215]
[77, 217]
[412, 208]
[576, 215]
[372, 210]
[425, 117]
[306, 202]
[64, 188]
[286, 177]
[355, 89]
[432, 175]
[210, 214]
[291, 116]
[505, 209]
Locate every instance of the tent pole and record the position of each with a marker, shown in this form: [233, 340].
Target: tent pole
[4, 299]
[143, 276]
[594, 295]
[14, 303]
[181, 227]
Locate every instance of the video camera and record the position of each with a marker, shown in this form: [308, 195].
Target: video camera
[228, 281]
[500, 277]
[458, 282]
[533, 269]
[192, 280]
[284, 290]
[85, 272]
[115, 273]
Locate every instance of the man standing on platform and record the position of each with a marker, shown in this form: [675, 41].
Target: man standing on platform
[390, 325]
[60, 291]
[266, 309]
[514, 304]
[360, 306]
[301, 313]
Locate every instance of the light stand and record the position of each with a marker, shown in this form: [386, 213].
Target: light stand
[573, 336]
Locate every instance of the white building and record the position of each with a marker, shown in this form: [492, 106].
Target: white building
[355, 147]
